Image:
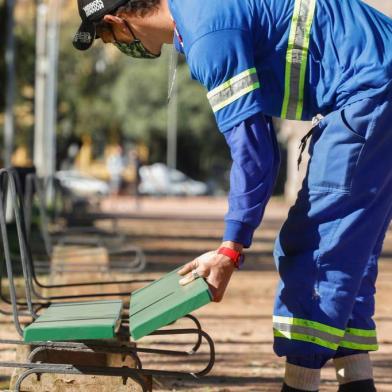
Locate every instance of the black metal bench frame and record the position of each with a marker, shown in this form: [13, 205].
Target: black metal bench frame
[35, 189]
[34, 283]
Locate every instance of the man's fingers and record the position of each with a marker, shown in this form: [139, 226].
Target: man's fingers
[188, 267]
[187, 279]
[199, 266]
[194, 274]
[196, 263]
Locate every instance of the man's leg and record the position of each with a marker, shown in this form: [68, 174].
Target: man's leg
[352, 362]
[329, 236]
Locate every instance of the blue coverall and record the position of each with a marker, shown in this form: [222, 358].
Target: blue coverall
[297, 59]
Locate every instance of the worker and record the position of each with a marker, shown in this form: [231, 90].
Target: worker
[327, 60]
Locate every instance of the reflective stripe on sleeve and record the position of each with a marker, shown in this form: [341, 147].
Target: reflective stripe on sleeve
[233, 89]
[360, 339]
[307, 331]
[297, 59]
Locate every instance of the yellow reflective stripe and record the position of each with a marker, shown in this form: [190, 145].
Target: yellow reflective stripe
[358, 346]
[305, 50]
[297, 58]
[236, 96]
[310, 324]
[233, 89]
[324, 335]
[306, 338]
[289, 57]
[361, 332]
[360, 339]
[229, 82]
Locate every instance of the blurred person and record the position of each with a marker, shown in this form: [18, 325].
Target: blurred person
[330, 60]
[134, 161]
[115, 166]
[71, 153]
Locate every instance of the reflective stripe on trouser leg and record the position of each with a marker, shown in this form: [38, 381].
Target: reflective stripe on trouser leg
[297, 58]
[360, 339]
[307, 331]
[323, 335]
[361, 322]
[325, 245]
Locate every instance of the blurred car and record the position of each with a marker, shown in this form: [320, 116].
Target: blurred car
[159, 179]
[81, 185]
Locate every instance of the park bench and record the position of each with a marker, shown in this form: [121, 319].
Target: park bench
[116, 246]
[41, 302]
[37, 286]
[31, 277]
[97, 326]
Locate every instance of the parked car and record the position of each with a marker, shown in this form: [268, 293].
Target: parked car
[159, 179]
[82, 185]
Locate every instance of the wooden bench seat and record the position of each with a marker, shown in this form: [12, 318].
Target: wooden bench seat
[76, 321]
[163, 302]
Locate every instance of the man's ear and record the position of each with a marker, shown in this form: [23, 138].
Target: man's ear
[112, 19]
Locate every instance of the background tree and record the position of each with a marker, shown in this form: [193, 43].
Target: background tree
[104, 93]
[109, 96]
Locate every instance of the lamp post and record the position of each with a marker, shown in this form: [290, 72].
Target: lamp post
[51, 86]
[172, 112]
[47, 51]
[9, 125]
[41, 69]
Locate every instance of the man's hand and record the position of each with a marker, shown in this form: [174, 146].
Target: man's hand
[216, 268]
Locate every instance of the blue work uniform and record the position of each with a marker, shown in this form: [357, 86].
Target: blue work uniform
[297, 59]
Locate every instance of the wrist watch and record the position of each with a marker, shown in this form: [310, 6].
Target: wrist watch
[236, 257]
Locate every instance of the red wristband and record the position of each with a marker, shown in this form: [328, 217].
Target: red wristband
[236, 257]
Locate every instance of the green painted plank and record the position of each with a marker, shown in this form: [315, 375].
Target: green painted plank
[163, 302]
[76, 321]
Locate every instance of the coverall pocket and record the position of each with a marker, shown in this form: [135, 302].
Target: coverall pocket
[335, 150]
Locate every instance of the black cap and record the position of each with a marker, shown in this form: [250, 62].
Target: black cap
[91, 12]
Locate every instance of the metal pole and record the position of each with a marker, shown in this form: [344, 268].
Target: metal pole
[41, 67]
[172, 124]
[9, 125]
[51, 92]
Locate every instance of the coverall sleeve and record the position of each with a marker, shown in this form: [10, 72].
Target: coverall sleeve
[255, 156]
[223, 62]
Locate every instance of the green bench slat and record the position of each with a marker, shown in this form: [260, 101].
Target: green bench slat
[163, 302]
[76, 321]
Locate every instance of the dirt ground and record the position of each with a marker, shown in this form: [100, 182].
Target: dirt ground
[173, 231]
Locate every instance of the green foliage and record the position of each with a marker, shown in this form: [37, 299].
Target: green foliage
[2, 46]
[108, 95]
[103, 92]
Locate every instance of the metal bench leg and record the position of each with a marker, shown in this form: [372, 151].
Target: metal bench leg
[82, 370]
[125, 352]
[195, 348]
[204, 334]
[72, 346]
[199, 336]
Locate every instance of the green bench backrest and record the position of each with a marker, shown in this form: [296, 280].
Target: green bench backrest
[163, 302]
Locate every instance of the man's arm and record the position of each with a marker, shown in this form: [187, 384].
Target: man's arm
[255, 157]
